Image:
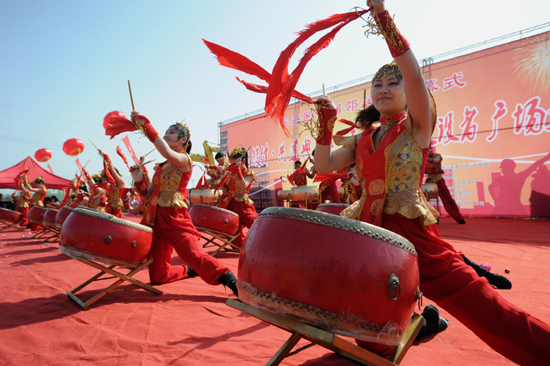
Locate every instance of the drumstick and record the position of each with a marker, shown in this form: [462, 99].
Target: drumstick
[149, 152]
[364, 98]
[324, 89]
[147, 162]
[131, 98]
[86, 164]
[94, 145]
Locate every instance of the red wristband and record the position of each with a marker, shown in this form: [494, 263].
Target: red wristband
[146, 128]
[396, 42]
[327, 119]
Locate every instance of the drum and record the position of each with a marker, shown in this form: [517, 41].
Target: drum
[36, 214]
[9, 215]
[204, 196]
[283, 195]
[215, 219]
[62, 215]
[337, 274]
[49, 217]
[430, 190]
[105, 238]
[303, 193]
[332, 208]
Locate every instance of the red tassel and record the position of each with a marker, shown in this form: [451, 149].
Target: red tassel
[346, 130]
[282, 84]
[119, 152]
[116, 123]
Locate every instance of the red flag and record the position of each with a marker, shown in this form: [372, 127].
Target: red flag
[116, 123]
[119, 152]
[126, 141]
[49, 167]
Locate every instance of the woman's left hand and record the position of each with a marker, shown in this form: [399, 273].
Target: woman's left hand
[325, 101]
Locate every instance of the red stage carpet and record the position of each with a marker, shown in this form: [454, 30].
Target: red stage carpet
[191, 325]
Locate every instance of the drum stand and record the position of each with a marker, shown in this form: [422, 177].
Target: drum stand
[307, 203]
[226, 243]
[9, 224]
[112, 288]
[328, 340]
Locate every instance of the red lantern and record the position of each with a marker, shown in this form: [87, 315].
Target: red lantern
[43, 155]
[73, 147]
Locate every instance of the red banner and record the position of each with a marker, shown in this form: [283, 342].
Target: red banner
[80, 168]
[49, 167]
[126, 141]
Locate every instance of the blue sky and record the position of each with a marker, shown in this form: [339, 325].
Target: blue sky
[65, 64]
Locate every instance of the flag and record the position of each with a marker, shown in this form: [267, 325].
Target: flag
[126, 141]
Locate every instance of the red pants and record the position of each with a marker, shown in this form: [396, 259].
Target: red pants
[173, 229]
[455, 286]
[25, 212]
[247, 215]
[332, 192]
[117, 212]
[448, 202]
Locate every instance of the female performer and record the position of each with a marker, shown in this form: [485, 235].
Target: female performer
[24, 197]
[235, 198]
[113, 185]
[40, 191]
[167, 212]
[390, 161]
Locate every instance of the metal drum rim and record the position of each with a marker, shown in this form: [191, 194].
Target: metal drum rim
[215, 208]
[111, 218]
[332, 204]
[331, 220]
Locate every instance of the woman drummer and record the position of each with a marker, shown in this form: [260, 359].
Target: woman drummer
[39, 194]
[393, 200]
[236, 188]
[113, 184]
[24, 198]
[167, 212]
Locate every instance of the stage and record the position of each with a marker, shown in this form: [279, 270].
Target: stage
[191, 325]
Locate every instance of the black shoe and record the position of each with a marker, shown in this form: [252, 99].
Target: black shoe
[461, 222]
[433, 322]
[230, 281]
[494, 279]
[191, 272]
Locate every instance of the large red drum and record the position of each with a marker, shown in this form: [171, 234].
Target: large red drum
[102, 237]
[341, 275]
[49, 217]
[215, 219]
[9, 215]
[36, 214]
[332, 208]
[62, 215]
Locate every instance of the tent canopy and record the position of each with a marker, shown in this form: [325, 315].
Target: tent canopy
[7, 176]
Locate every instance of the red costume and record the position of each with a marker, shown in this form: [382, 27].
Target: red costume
[435, 175]
[237, 200]
[172, 229]
[23, 199]
[38, 200]
[391, 175]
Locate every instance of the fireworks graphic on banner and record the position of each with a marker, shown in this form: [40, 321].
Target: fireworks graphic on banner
[532, 65]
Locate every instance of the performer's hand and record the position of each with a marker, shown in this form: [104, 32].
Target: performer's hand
[145, 126]
[379, 5]
[101, 152]
[137, 173]
[325, 101]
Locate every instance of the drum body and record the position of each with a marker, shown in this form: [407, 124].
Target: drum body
[430, 190]
[204, 196]
[102, 237]
[303, 193]
[332, 208]
[283, 195]
[218, 220]
[49, 217]
[62, 215]
[9, 215]
[36, 214]
[341, 275]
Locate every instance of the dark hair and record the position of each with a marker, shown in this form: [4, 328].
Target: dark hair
[183, 132]
[39, 180]
[313, 152]
[366, 117]
[47, 200]
[243, 155]
[97, 179]
[297, 162]
[54, 198]
[219, 155]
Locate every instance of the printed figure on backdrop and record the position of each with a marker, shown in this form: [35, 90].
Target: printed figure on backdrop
[166, 211]
[236, 187]
[506, 189]
[540, 193]
[434, 174]
[390, 154]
